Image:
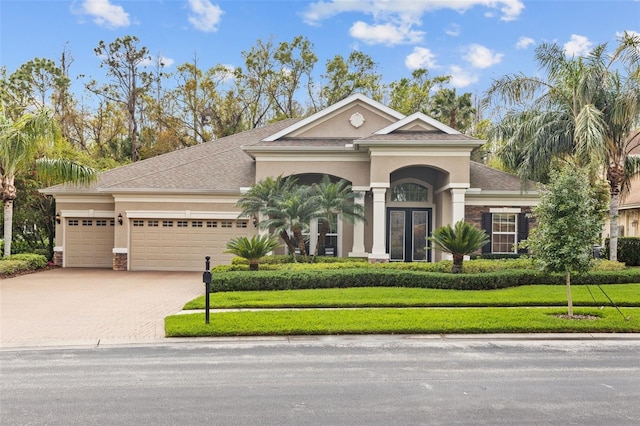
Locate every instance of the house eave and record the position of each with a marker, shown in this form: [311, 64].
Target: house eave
[371, 143]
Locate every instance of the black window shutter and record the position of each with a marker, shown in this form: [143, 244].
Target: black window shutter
[523, 230]
[486, 225]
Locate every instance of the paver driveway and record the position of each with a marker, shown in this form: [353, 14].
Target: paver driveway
[74, 306]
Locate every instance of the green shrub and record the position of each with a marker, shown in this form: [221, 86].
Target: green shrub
[387, 277]
[607, 265]
[33, 261]
[10, 267]
[285, 259]
[628, 250]
[494, 256]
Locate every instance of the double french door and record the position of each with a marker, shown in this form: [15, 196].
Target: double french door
[407, 233]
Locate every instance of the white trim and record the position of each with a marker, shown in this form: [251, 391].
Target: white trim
[360, 188]
[142, 198]
[377, 185]
[105, 199]
[330, 110]
[120, 250]
[448, 147]
[305, 158]
[417, 116]
[181, 214]
[504, 210]
[88, 213]
[449, 186]
[58, 249]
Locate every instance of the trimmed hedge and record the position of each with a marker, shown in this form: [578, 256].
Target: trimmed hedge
[628, 250]
[279, 259]
[21, 262]
[360, 277]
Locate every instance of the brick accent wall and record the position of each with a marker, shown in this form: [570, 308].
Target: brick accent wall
[57, 258]
[120, 261]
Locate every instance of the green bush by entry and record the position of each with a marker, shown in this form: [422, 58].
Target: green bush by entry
[381, 277]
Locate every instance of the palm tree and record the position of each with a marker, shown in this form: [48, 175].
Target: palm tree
[261, 200]
[585, 109]
[293, 211]
[461, 240]
[333, 199]
[455, 111]
[252, 249]
[22, 144]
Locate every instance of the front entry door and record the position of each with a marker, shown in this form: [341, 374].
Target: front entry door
[407, 232]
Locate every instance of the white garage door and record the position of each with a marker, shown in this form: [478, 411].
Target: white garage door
[89, 243]
[181, 245]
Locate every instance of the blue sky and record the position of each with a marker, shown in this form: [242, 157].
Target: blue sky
[474, 41]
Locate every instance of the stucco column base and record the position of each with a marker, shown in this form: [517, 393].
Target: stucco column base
[358, 254]
[379, 258]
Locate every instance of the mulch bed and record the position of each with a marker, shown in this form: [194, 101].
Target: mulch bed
[30, 271]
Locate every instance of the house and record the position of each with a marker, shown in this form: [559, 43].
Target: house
[629, 210]
[411, 173]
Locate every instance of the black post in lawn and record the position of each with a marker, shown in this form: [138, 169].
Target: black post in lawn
[206, 279]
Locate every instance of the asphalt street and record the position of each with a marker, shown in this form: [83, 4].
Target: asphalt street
[366, 380]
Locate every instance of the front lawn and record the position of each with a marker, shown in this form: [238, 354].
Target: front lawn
[402, 321]
[533, 295]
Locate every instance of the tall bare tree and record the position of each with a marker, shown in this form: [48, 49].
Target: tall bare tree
[124, 61]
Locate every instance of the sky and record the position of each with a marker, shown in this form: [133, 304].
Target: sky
[473, 41]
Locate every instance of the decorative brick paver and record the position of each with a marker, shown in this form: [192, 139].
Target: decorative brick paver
[83, 306]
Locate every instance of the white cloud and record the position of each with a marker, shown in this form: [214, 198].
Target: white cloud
[577, 46]
[151, 62]
[524, 42]
[105, 14]
[453, 30]
[461, 78]
[389, 33]
[481, 57]
[420, 58]
[383, 9]
[205, 16]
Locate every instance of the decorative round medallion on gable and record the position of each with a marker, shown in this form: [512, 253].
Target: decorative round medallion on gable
[356, 120]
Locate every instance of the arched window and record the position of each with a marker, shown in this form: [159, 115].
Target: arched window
[409, 192]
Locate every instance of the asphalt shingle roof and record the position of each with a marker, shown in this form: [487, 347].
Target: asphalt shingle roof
[490, 179]
[216, 166]
[223, 165]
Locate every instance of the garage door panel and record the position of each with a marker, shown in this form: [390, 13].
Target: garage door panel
[183, 247]
[89, 243]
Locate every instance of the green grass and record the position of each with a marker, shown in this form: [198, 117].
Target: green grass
[401, 321]
[535, 295]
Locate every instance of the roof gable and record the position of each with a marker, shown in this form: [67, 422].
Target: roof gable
[353, 117]
[417, 122]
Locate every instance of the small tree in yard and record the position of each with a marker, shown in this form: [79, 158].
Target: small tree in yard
[461, 240]
[252, 249]
[570, 216]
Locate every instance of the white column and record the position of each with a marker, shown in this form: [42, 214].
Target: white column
[358, 229]
[457, 201]
[379, 250]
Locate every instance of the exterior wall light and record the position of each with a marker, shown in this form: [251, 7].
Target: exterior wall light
[58, 218]
[255, 222]
[120, 218]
